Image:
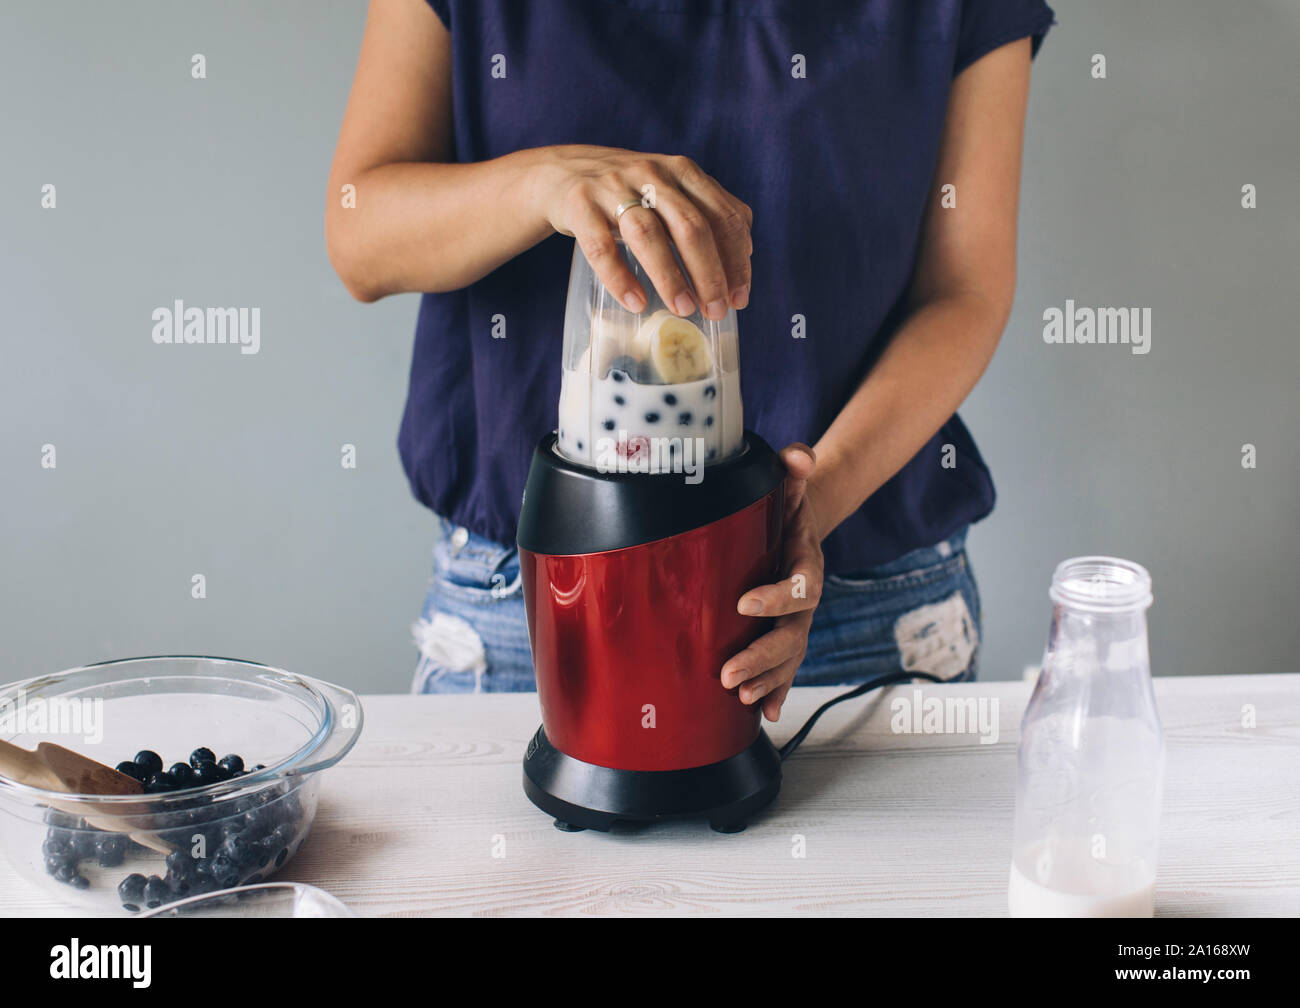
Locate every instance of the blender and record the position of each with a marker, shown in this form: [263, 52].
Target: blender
[646, 516]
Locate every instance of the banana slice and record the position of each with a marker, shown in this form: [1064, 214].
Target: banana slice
[645, 333]
[678, 350]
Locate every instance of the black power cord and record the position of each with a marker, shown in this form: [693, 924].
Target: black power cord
[887, 679]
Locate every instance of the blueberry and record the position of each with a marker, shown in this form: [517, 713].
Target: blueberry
[63, 870]
[708, 420]
[652, 417]
[232, 764]
[181, 775]
[240, 848]
[132, 770]
[58, 864]
[624, 367]
[202, 755]
[684, 418]
[149, 762]
[710, 391]
[65, 833]
[260, 766]
[609, 425]
[54, 817]
[206, 773]
[200, 884]
[179, 886]
[158, 783]
[179, 862]
[84, 843]
[670, 399]
[156, 892]
[78, 880]
[258, 821]
[282, 857]
[57, 845]
[111, 850]
[284, 833]
[224, 871]
[131, 892]
[620, 401]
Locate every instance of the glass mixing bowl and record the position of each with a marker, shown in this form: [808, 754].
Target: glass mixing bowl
[82, 848]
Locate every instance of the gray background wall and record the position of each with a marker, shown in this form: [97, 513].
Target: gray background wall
[172, 461]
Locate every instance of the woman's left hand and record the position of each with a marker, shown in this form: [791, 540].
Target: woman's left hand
[765, 670]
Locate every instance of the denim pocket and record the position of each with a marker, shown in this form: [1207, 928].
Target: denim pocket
[924, 620]
[922, 577]
[474, 568]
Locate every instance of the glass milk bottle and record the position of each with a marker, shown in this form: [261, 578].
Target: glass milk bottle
[1091, 760]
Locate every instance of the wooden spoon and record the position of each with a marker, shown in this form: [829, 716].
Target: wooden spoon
[53, 768]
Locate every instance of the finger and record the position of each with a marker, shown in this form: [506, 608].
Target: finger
[786, 640]
[693, 236]
[770, 681]
[774, 701]
[800, 461]
[645, 236]
[799, 592]
[800, 589]
[731, 221]
[591, 229]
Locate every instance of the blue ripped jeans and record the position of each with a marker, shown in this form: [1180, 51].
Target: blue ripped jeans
[921, 612]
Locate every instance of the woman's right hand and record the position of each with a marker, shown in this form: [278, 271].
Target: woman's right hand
[579, 189]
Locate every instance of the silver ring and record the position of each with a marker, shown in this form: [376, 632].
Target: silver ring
[625, 206]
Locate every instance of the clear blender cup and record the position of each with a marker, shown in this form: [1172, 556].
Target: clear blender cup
[645, 392]
[1091, 759]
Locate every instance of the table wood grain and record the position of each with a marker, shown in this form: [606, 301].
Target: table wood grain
[427, 816]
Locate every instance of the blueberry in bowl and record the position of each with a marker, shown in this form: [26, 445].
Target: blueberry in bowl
[205, 851]
[230, 812]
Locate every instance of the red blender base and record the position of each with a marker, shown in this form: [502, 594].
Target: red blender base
[585, 796]
[631, 587]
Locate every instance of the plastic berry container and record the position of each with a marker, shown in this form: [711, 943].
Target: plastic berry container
[188, 841]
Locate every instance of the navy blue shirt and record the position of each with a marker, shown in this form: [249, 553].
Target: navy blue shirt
[837, 165]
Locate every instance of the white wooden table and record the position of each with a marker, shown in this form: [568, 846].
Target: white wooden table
[427, 816]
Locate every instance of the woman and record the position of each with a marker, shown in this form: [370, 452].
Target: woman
[845, 174]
